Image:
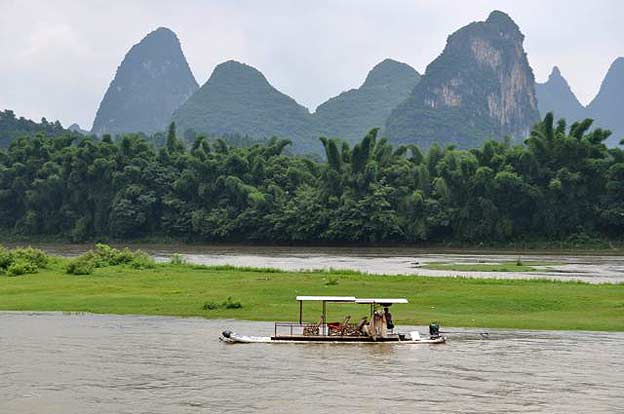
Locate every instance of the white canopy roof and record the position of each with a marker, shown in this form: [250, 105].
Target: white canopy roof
[353, 299]
[328, 298]
[381, 301]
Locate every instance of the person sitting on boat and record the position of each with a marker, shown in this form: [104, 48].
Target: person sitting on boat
[362, 327]
[388, 316]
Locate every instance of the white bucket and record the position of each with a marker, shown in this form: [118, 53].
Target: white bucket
[415, 335]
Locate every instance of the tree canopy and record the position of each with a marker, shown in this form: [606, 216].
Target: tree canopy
[563, 181]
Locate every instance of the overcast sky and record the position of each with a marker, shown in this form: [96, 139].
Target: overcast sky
[58, 57]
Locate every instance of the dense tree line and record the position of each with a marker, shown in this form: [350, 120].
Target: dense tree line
[12, 127]
[562, 181]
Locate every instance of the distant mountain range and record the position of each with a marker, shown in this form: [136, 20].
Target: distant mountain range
[480, 87]
[238, 99]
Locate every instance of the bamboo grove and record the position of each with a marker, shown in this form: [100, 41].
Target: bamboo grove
[560, 183]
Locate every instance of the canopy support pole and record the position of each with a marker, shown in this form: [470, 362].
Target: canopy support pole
[324, 318]
[300, 311]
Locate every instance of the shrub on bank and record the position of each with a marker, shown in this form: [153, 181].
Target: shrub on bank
[21, 267]
[22, 260]
[81, 266]
[210, 305]
[229, 303]
[104, 256]
[35, 257]
[141, 260]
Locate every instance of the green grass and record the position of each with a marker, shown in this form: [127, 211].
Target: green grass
[488, 267]
[184, 290]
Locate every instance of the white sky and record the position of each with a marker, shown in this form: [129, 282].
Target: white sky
[58, 57]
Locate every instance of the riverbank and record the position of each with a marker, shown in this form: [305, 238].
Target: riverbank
[569, 246]
[267, 295]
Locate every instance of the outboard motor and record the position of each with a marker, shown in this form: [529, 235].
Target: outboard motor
[434, 330]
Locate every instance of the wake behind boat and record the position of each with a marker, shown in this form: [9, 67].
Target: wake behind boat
[378, 329]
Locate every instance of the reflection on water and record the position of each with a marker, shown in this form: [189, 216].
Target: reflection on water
[55, 363]
[384, 260]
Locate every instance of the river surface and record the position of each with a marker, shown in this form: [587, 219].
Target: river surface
[592, 268]
[60, 363]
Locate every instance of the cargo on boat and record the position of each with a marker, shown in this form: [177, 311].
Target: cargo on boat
[378, 327]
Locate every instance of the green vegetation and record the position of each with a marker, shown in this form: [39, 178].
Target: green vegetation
[12, 128]
[353, 113]
[227, 304]
[517, 266]
[254, 294]
[564, 184]
[21, 261]
[104, 256]
[238, 99]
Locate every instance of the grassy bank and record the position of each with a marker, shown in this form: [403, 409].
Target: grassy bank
[186, 290]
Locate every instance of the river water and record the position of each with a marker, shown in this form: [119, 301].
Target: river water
[60, 363]
[592, 268]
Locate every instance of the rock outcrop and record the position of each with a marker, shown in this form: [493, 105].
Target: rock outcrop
[153, 80]
[76, 128]
[480, 87]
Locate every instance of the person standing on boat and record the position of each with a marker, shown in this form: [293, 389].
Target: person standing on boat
[378, 325]
[388, 315]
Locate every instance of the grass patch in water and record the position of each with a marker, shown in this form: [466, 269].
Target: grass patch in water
[517, 266]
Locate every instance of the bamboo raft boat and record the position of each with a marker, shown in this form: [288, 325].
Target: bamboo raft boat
[379, 329]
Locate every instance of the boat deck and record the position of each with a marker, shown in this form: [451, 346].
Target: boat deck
[336, 338]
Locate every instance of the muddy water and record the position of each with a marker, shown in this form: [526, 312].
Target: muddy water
[593, 268]
[57, 363]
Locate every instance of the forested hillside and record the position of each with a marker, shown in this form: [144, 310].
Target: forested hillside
[238, 99]
[562, 182]
[353, 113]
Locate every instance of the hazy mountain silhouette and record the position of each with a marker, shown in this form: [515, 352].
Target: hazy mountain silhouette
[555, 95]
[152, 81]
[606, 107]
